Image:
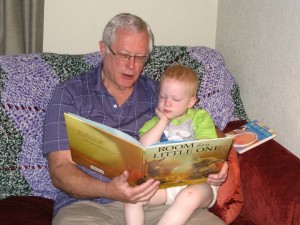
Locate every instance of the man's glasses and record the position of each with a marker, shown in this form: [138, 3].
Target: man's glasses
[125, 57]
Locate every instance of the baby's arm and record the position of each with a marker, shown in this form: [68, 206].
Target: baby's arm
[153, 135]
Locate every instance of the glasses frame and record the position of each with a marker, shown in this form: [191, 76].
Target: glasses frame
[126, 57]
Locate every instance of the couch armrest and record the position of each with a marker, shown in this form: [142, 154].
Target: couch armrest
[271, 184]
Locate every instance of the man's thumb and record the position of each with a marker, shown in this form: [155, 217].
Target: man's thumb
[125, 175]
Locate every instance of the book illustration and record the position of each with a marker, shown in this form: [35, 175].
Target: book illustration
[250, 135]
[244, 139]
[177, 173]
[110, 152]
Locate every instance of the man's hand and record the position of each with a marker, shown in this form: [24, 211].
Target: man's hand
[66, 176]
[120, 190]
[219, 178]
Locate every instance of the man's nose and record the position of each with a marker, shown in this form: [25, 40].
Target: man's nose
[131, 63]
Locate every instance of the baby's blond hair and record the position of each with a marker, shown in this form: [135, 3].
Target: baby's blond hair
[183, 74]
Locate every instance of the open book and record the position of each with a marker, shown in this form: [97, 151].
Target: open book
[110, 152]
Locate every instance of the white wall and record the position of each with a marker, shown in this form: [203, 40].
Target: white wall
[260, 41]
[75, 26]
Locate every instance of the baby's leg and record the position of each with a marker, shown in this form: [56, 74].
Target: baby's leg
[159, 198]
[186, 202]
[134, 213]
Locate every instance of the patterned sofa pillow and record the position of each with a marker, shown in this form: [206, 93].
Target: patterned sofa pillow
[26, 85]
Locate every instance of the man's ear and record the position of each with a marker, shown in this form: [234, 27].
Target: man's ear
[102, 47]
[193, 101]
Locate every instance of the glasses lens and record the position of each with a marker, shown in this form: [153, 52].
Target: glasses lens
[122, 56]
[125, 57]
[140, 59]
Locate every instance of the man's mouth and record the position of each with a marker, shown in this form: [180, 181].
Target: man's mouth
[127, 76]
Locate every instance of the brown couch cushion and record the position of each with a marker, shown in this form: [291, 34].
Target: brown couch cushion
[26, 210]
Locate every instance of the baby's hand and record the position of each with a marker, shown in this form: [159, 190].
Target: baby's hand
[161, 115]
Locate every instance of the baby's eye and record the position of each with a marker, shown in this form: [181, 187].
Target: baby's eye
[163, 97]
[176, 99]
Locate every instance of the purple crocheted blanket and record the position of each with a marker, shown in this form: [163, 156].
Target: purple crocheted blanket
[26, 85]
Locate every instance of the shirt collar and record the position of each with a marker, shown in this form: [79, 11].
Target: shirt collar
[99, 87]
[178, 121]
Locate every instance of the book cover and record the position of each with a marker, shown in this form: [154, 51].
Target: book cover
[250, 135]
[110, 152]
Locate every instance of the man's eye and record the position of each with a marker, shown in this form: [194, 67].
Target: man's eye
[123, 56]
[140, 58]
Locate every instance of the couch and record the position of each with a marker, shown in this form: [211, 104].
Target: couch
[264, 186]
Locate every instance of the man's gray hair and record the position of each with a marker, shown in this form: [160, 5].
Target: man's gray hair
[129, 21]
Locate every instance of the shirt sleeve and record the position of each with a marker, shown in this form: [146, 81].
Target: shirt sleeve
[148, 125]
[55, 135]
[204, 126]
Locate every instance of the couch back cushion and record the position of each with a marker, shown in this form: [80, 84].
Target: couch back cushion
[26, 85]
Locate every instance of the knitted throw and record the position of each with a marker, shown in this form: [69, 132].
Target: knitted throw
[26, 85]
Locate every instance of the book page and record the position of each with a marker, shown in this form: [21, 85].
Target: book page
[103, 152]
[108, 129]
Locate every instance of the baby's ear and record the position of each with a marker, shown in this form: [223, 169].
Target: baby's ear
[193, 101]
